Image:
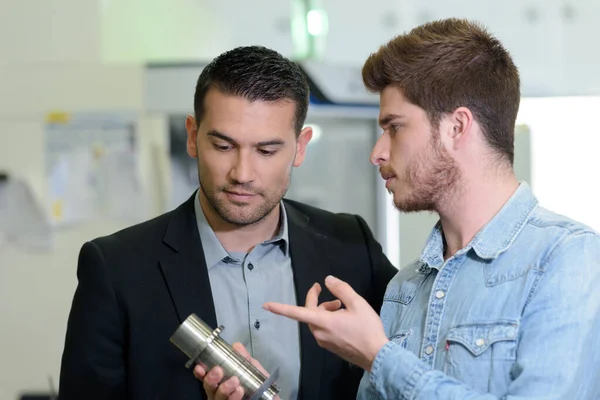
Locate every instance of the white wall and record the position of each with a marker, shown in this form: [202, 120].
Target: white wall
[565, 162]
[44, 31]
[136, 31]
[547, 38]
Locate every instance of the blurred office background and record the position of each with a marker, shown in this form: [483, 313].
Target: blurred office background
[92, 99]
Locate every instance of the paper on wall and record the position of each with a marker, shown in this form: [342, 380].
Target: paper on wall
[92, 168]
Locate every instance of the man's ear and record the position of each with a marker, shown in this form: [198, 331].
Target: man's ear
[192, 135]
[457, 127]
[301, 144]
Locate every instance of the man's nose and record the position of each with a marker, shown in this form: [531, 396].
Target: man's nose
[381, 150]
[243, 170]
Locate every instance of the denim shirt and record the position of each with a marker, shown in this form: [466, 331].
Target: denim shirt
[513, 315]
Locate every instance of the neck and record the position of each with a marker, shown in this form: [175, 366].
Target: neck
[473, 206]
[240, 238]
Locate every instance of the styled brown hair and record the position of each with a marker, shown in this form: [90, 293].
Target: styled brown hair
[446, 64]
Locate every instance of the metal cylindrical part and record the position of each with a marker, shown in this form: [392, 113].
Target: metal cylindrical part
[204, 345]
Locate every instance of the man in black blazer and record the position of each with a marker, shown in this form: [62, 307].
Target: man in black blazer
[219, 253]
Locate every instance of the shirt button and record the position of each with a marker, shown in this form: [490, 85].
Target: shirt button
[428, 350]
[480, 342]
[257, 324]
[250, 267]
[440, 294]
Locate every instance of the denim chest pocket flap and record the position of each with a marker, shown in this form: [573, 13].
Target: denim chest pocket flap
[407, 290]
[478, 337]
[401, 337]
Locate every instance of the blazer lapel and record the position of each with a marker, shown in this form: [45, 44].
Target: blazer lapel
[184, 269]
[309, 254]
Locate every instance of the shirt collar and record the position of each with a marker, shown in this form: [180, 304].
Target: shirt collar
[214, 251]
[495, 237]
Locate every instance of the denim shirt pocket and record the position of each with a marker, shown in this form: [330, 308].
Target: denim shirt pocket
[396, 299]
[482, 354]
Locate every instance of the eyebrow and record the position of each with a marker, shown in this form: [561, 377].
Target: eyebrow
[272, 142]
[383, 121]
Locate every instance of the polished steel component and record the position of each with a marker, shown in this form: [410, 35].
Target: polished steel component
[204, 346]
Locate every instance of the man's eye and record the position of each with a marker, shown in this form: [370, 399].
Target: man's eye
[394, 128]
[221, 147]
[266, 152]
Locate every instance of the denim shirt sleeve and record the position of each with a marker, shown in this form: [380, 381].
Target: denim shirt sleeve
[557, 357]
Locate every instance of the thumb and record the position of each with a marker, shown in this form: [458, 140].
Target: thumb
[343, 291]
[244, 353]
[238, 347]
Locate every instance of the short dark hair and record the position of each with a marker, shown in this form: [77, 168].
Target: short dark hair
[445, 64]
[255, 73]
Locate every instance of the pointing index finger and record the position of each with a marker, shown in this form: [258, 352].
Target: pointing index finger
[301, 314]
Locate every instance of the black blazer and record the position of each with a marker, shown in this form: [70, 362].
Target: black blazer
[136, 286]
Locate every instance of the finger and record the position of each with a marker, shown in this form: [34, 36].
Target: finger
[212, 379]
[227, 388]
[312, 296]
[199, 372]
[332, 305]
[343, 291]
[300, 314]
[238, 394]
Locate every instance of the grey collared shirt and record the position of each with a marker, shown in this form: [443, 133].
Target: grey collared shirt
[240, 284]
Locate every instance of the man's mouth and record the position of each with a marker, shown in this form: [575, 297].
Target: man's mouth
[236, 195]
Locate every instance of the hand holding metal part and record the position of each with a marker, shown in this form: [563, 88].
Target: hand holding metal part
[208, 350]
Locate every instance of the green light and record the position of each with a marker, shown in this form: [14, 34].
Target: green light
[316, 21]
[309, 28]
[299, 31]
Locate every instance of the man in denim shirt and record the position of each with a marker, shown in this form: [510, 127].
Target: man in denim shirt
[504, 301]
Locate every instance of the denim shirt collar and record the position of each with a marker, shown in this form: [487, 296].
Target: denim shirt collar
[495, 237]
